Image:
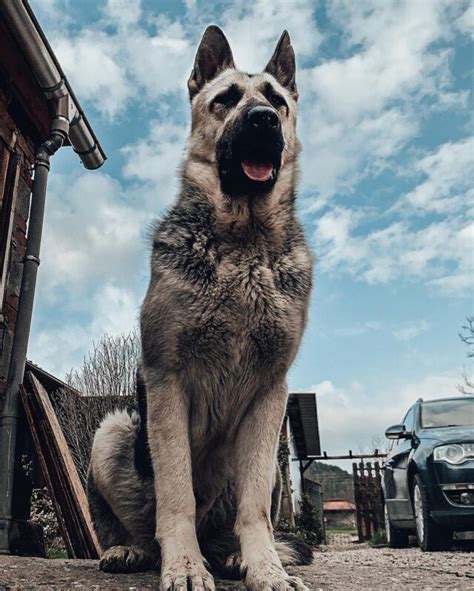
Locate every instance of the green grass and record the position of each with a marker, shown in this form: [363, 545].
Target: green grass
[57, 554]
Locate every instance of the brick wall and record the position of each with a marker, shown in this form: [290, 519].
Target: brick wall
[17, 241]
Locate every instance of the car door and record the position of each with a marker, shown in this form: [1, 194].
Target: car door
[397, 495]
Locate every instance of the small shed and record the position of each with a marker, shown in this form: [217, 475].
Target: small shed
[339, 513]
[303, 439]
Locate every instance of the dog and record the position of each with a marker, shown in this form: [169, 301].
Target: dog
[190, 484]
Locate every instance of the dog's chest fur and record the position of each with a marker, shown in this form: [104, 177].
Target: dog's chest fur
[224, 316]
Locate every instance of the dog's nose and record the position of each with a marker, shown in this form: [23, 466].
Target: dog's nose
[263, 117]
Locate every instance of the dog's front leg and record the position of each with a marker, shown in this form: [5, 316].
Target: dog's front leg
[168, 434]
[257, 445]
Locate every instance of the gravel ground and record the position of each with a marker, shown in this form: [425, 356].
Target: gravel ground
[351, 568]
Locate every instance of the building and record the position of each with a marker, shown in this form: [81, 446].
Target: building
[39, 114]
[339, 513]
[299, 441]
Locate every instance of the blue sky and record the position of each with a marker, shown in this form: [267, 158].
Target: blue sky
[386, 188]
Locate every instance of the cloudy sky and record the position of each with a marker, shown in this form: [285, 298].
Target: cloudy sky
[386, 190]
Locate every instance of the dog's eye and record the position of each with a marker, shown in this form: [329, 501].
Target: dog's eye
[275, 99]
[229, 98]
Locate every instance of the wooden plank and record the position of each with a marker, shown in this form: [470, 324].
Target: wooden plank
[28, 405]
[64, 478]
[56, 478]
[358, 502]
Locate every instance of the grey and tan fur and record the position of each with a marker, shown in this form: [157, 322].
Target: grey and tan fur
[191, 482]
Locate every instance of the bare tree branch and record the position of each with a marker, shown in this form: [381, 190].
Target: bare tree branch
[106, 381]
[467, 337]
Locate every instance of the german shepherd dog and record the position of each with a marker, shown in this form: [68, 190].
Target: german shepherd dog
[190, 484]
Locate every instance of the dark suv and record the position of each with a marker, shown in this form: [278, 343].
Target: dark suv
[428, 477]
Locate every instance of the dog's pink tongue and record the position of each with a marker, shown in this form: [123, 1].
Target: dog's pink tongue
[257, 171]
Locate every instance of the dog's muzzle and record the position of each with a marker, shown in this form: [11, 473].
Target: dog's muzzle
[262, 121]
[249, 153]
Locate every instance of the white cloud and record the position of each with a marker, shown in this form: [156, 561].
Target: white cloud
[449, 183]
[434, 253]
[117, 62]
[410, 330]
[465, 22]
[62, 346]
[93, 65]
[155, 161]
[352, 415]
[358, 112]
[124, 13]
[93, 235]
[159, 63]
[254, 29]
[439, 251]
[358, 328]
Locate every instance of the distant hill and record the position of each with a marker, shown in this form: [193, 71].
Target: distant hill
[335, 482]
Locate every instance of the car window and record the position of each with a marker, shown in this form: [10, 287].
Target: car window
[409, 419]
[458, 412]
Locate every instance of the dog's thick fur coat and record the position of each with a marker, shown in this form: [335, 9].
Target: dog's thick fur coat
[192, 481]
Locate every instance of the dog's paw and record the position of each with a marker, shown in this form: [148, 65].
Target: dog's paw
[232, 567]
[126, 559]
[186, 575]
[270, 577]
[234, 562]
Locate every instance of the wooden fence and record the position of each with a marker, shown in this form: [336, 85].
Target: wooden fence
[368, 498]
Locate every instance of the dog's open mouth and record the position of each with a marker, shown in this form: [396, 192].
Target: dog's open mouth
[258, 171]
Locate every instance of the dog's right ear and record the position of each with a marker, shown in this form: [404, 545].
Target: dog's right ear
[213, 56]
[283, 66]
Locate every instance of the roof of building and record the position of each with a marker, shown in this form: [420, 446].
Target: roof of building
[26, 53]
[50, 383]
[338, 505]
[303, 415]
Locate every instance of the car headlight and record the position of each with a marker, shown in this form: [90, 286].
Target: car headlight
[455, 453]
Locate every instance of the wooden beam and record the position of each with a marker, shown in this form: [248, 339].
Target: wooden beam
[350, 456]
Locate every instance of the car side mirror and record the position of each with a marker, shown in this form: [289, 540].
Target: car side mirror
[397, 432]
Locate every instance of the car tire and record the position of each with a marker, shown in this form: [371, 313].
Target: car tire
[431, 536]
[396, 538]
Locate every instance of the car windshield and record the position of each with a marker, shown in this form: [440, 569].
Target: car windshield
[458, 412]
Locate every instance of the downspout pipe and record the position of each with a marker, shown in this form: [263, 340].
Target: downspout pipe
[59, 130]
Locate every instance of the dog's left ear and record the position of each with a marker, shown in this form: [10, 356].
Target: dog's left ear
[282, 65]
[213, 56]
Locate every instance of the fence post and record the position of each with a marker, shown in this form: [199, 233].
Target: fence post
[378, 499]
[357, 498]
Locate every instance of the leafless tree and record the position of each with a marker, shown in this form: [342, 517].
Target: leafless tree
[467, 337]
[378, 444]
[105, 381]
[110, 368]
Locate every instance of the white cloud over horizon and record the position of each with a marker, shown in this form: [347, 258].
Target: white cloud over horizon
[351, 415]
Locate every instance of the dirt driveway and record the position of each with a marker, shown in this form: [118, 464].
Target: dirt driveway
[343, 569]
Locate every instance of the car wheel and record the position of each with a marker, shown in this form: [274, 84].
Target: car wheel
[431, 536]
[396, 538]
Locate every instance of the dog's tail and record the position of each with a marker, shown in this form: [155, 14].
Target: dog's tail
[291, 550]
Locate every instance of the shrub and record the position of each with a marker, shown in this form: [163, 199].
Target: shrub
[309, 523]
